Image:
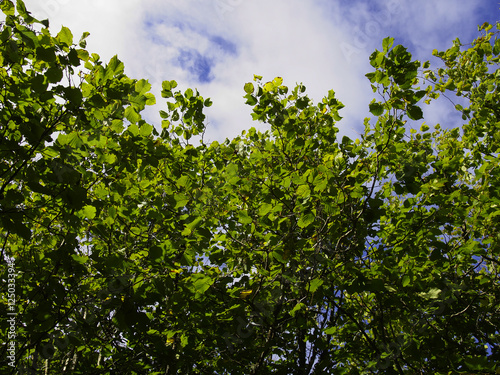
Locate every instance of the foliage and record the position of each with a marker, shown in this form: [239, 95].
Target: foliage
[291, 251]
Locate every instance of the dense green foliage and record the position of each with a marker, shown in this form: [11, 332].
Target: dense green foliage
[292, 251]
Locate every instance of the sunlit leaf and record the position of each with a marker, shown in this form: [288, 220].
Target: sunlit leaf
[306, 220]
[65, 36]
[89, 212]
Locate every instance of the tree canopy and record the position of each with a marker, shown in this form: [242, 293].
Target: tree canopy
[140, 249]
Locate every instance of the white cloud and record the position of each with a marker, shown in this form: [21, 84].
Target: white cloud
[216, 46]
[111, 23]
[435, 24]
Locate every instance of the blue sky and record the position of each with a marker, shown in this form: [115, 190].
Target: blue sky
[216, 46]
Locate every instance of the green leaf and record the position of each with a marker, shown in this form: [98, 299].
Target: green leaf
[73, 139]
[80, 259]
[15, 225]
[278, 255]
[194, 223]
[150, 99]
[243, 217]
[304, 191]
[167, 87]
[315, 284]
[74, 96]
[183, 181]
[251, 100]
[330, 330]
[278, 81]
[132, 115]
[54, 74]
[306, 220]
[73, 58]
[201, 283]
[249, 88]
[82, 42]
[424, 127]
[414, 112]
[376, 60]
[115, 67]
[82, 54]
[406, 280]
[39, 84]
[376, 108]
[181, 200]
[155, 253]
[133, 129]
[387, 44]
[496, 47]
[232, 170]
[478, 363]
[265, 208]
[142, 86]
[89, 211]
[46, 54]
[433, 293]
[7, 7]
[269, 87]
[65, 36]
[299, 306]
[145, 130]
